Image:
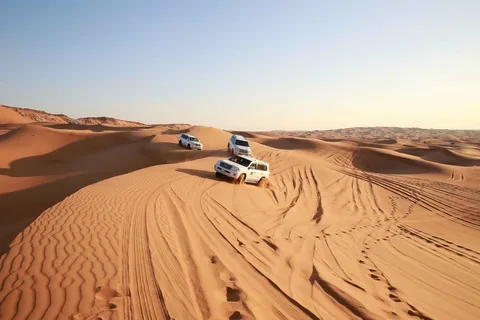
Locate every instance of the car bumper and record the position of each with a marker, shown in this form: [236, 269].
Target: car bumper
[226, 172]
[197, 147]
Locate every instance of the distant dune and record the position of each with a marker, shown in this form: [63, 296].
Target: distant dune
[11, 116]
[31, 115]
[388, 135]
[103, 218]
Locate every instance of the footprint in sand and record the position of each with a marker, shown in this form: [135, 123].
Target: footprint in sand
[232, 294]
[375, 277]
[105, 293]
[236, 316]
[394, 297]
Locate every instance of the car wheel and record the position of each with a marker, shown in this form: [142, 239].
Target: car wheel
[262, 183]
[241, 179]
[189, 146]
[180, 143]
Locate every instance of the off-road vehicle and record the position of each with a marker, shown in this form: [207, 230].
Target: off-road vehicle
[238, 145]
[189, 141]
[243, 169]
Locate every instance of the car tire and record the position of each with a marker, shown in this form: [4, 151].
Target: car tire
[241, 179]
[180, 143]
[189, 146]
[262, 183]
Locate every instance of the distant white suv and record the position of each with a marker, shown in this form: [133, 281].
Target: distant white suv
[189, 141]
[243, 169]
[238, 145]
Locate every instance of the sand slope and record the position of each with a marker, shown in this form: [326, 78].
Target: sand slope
[8, 116]
[344, 231]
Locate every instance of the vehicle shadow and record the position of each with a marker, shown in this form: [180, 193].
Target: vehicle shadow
[210, 175]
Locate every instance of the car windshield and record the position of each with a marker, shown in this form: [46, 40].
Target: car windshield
[241, 161]
[194, 139]
[242, 143]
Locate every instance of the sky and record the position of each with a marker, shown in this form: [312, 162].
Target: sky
[250, 65]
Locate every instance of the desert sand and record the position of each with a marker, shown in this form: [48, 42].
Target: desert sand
[103, 219]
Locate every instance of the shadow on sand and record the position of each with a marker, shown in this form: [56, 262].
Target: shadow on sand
[210, 175]
[18, 209]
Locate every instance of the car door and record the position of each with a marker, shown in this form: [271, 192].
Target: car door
[262, 171]
[253, 174]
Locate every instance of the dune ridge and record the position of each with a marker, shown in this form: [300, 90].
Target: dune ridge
[126, 224]
[25, 115]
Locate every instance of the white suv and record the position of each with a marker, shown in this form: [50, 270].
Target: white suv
[243, 169]
[238, 145]
[189, 141]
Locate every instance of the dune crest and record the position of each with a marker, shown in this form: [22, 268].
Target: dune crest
[8, 116]
[11, 115]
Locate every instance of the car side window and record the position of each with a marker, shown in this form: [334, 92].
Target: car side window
[253, 166]
[262, 167]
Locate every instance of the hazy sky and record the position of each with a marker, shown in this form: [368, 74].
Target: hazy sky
[252, 65]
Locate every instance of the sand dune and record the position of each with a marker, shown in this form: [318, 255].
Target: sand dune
[40, 166]
[8, 116]
[383, 161]
[126, 224]
[442, 155]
